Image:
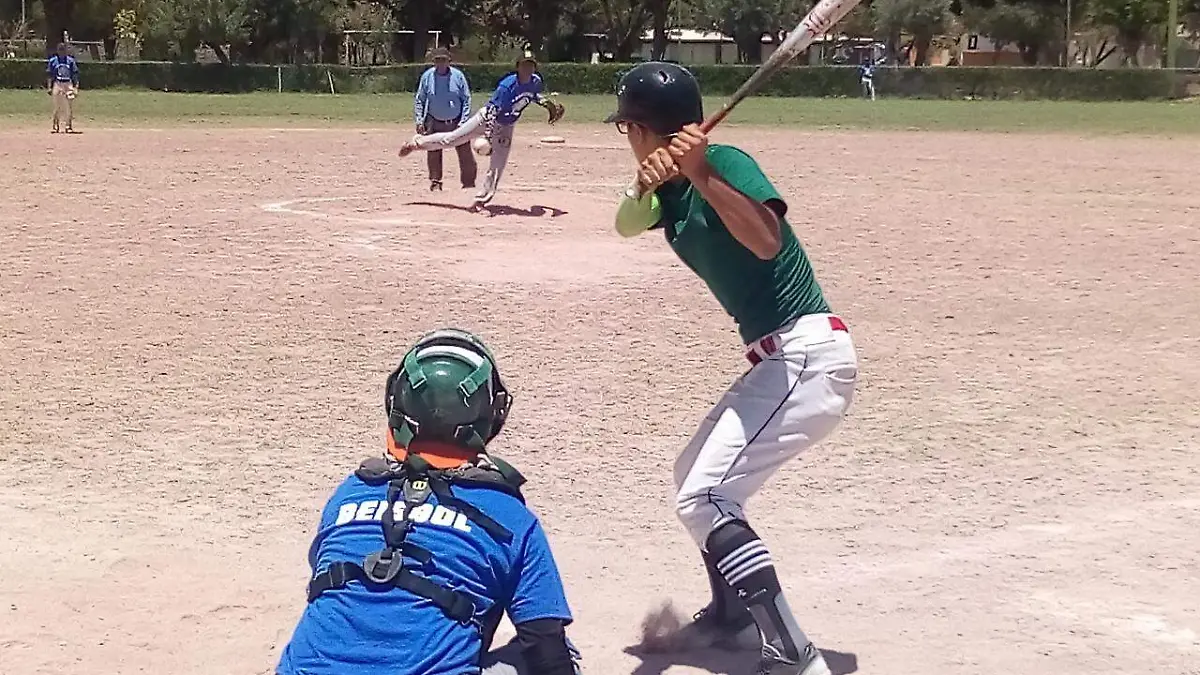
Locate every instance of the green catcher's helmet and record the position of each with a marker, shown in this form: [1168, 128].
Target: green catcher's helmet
[446, 389]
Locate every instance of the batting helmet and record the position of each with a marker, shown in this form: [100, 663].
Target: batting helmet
[447, 389]
[660, 96]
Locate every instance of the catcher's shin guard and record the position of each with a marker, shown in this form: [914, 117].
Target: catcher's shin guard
[745, 564]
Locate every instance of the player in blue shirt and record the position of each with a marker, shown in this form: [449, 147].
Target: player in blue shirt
[866, 77]
[494, 123]
[420, 552]
[62, 83]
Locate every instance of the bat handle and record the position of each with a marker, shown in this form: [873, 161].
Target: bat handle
[634, 191]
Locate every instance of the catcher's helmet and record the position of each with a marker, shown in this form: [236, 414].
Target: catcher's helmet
[661, 96]
[446, 389]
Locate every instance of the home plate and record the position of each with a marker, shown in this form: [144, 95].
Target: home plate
[554, 139]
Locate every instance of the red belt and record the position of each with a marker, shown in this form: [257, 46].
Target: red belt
[770, 344]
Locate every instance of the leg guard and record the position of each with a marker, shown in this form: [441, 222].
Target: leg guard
[726, 606]
[743, 561]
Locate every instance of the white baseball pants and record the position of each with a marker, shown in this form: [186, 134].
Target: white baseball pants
[790, 400]
[63, 94]
[474, 127]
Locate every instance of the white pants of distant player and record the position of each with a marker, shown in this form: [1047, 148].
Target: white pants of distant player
[868, 85]
[789, 401]
[63, 94]
[473, 128]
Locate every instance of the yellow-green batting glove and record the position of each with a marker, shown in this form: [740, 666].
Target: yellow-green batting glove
[635, 216]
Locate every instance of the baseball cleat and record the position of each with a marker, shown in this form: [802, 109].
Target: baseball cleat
[709, 630]
[811, 663]
[435, 186]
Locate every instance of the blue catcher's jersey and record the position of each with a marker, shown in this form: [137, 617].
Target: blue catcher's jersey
[511, 97]
[358, 631]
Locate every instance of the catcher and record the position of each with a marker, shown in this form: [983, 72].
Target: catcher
[491, 127]
[421, 551]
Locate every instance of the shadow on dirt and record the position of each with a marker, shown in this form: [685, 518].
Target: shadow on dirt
[536, 211]
[724, 662]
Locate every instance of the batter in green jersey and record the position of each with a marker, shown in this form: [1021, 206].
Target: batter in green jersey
[760, 295]
[725, 220]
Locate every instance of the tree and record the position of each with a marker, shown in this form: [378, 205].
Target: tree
[192, 23]
[1028, 25]
[923, 19]
[746, 21]
[1133, 22]
[660, 10]
[59, 17]
[624, 21]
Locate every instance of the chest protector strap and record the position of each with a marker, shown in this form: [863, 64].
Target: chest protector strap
[409, 486]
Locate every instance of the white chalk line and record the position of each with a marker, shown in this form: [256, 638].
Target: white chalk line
[287, 206]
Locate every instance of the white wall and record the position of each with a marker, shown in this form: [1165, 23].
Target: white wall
[696, 52]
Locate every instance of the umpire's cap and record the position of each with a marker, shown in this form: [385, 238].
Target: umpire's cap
[661, 96]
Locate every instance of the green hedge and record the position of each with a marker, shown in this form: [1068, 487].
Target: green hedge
[578, 78]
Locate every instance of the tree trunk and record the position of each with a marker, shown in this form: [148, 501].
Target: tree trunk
[661, 9]
[419, 16]
[749, 46]
[219, 51]
[59, 16]
[1131, 44]
[1029, 53]
[922, 44]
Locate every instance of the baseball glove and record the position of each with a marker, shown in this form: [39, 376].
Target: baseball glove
[555, 110]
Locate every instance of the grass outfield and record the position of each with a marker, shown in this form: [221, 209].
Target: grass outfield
[116, 108]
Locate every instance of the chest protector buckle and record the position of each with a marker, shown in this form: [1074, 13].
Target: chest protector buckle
[409, 486]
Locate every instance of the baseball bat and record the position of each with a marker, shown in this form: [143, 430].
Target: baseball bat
[819, 19]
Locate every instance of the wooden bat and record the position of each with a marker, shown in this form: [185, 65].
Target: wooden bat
[818, 20]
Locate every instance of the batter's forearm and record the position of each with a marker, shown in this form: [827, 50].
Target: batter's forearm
[751, 222]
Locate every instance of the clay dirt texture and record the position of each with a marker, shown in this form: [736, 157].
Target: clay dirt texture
[196, 324]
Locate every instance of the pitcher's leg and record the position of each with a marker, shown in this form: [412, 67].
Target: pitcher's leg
[501, 145]
[448, 139]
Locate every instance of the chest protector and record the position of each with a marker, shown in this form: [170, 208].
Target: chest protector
[409, 485]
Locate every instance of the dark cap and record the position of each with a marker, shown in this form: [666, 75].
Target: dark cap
[440, 53]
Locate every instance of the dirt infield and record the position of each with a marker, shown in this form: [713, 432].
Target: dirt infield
[195, 327]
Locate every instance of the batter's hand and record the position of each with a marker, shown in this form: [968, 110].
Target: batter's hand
[658, 168]
[688, 149]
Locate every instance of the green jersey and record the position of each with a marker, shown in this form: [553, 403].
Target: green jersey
[760, 295]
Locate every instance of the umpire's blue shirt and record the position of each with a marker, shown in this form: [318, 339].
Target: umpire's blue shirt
[356, 631]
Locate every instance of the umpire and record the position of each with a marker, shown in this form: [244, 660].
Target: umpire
[442, 103]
